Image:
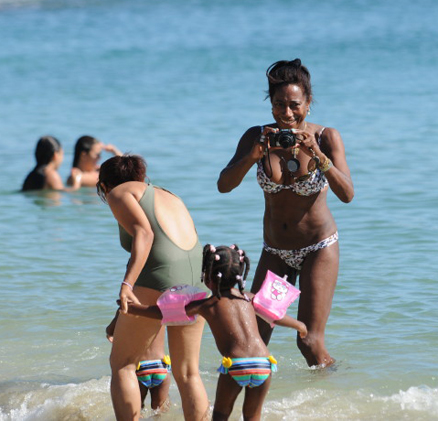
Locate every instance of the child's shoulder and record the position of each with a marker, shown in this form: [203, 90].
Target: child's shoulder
[198, 306]
[248, 295]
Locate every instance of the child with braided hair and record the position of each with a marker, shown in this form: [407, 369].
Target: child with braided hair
[232, 319]
[225, 273]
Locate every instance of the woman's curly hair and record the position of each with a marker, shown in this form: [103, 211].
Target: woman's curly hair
[118, 170]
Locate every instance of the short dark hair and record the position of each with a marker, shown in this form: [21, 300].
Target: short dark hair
[118, 170]
[285, 72]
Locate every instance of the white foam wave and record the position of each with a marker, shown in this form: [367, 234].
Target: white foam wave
[83, 401]
[91, 400]
[419, 403]
[423, 399]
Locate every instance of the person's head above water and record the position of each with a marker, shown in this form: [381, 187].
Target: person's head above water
[118, 170]
[49, 156]
[223, 267]
[45, 150]
[87, 152]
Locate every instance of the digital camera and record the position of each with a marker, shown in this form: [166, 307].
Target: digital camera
[284, 138]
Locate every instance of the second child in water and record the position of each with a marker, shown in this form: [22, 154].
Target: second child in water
[232, 320]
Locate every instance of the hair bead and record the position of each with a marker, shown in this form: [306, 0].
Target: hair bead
[225, 267]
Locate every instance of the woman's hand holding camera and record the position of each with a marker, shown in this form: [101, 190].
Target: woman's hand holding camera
[261, 143]
[307, 143]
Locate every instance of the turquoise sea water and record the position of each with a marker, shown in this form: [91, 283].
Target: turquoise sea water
[179, 82]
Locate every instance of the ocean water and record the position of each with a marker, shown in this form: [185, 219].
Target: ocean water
[179, 82]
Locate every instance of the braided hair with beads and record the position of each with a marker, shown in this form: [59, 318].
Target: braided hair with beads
[225, 267]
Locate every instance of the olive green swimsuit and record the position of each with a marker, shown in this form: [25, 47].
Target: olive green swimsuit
[167, 264]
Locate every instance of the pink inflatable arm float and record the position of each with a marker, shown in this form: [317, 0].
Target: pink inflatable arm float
[173, 301]
[274, 297]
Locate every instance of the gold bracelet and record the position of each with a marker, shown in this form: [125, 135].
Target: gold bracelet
[325, 165]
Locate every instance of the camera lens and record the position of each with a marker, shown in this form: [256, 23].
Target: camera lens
[286, 139]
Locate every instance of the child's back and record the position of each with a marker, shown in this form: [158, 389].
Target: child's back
[232, 321]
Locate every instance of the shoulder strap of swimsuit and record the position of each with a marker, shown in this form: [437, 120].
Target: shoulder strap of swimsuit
[147, 202]
[320, 134]
[168, 191]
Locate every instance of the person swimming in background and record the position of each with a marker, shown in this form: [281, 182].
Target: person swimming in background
[49, 156]
[88, 151]
[231, 316]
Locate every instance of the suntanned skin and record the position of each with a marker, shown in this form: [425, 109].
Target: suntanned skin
[233, 323]
[88, 164]
[132, 336]
[292, 221]
[53, 178]
[159, 394]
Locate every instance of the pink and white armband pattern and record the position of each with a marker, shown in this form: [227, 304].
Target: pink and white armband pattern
[173, 301]
[274, 298]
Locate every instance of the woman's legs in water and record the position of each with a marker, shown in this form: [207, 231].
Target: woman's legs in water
[273, 263]
[317, 284]
[159, 394]
[132, 335]
[318, 279]
[184, 349]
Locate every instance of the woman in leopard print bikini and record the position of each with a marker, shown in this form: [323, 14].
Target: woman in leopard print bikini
[296, 163]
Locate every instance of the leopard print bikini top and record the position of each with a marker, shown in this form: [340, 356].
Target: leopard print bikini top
[313, 185]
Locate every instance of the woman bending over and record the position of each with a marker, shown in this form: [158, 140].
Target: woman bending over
[158, 232]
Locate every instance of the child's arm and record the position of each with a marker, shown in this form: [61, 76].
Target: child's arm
[195, 307]
[111, 327]
[288, 321]
[154, 312]
[143, 310]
